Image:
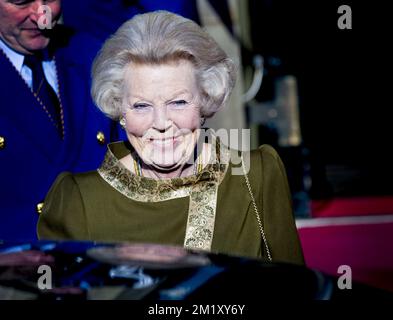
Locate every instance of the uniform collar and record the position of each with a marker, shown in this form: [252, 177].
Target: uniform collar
[16, 58]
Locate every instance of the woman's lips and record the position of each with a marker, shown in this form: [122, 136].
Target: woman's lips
[164, 142]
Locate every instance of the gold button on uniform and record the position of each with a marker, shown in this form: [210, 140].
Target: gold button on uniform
[2, 142]
[39, 207]
[100, 137]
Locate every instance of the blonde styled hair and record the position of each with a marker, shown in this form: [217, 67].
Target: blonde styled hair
[155, 38]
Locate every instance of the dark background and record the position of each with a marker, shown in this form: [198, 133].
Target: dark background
[344, 88]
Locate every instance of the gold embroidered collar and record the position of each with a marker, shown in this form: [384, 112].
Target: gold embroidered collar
[202, 189]
[145, 189]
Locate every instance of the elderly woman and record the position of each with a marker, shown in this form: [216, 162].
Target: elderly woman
[161, 75]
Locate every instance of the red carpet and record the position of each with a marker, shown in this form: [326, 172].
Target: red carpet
[367, 248]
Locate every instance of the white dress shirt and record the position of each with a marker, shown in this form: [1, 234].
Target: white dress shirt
[26, 73]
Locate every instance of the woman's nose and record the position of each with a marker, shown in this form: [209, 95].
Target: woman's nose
[161, 121]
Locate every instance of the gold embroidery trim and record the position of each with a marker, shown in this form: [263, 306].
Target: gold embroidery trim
[201, 217]
[201, 188]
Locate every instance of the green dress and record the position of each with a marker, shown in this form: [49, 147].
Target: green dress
[211, 211]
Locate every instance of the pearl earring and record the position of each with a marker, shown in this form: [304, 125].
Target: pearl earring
[122, 122]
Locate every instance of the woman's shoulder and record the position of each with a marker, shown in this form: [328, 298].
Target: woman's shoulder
[262, 157]
[267, 156]
[260, 164]
[69, 178]
[264, 153]
[263, 165]
[71, 188]
[271, 161]
[267, 152]
[68, 184]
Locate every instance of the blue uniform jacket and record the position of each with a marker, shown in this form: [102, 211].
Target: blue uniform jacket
[32, 154]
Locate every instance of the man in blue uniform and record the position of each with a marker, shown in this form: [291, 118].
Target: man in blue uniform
[48, 123]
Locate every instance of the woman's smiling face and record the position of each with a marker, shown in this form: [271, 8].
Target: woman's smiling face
[162, 113]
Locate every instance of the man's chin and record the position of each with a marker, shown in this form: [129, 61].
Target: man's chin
[36, 43]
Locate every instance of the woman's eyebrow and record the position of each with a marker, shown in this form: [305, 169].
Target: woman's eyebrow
[136, 97]
[178, 93]
[173, 96]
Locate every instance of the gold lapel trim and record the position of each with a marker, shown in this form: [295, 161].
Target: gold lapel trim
[201, 188]
[151, 190]
[201, 217]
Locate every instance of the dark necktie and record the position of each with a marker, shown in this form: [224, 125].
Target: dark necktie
[44, 91]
